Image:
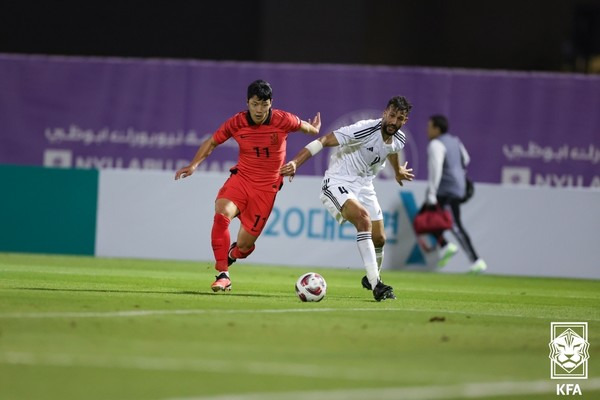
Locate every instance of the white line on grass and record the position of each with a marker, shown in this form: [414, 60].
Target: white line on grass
[441, 392]
[296, 370]
[146, 313]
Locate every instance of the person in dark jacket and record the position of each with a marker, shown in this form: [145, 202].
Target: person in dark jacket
[447, 159]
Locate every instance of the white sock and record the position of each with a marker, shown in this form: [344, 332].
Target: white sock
[224, 272]
[379, 256]
[367, 253]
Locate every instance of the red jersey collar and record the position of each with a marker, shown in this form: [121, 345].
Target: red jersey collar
[267, 121]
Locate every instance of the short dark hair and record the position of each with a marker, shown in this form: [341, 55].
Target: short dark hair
[400, 103]
[261, 89]
[439, 121]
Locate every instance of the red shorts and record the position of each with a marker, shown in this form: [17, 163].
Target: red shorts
[255, 205]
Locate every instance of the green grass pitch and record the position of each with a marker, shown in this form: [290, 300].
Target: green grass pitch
[93, 328]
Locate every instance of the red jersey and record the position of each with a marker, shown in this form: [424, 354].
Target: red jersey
[262, 147]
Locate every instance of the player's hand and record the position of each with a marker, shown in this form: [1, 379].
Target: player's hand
[288, 169]
[404, 174]
[316, 122]
[184, 172]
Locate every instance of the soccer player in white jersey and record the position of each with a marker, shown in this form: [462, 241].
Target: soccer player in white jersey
[348, 192]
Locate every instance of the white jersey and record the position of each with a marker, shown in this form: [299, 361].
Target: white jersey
[362, 153]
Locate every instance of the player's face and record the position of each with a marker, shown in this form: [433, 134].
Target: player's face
[259, 109]
[392, 120]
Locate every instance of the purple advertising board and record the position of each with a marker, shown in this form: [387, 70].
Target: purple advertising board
[80, 112]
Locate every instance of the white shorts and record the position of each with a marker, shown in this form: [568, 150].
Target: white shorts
[334, 194]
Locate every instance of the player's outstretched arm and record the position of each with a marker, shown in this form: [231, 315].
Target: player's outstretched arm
[289, 169]
[203, 151]
[312, 126]
[401, 171]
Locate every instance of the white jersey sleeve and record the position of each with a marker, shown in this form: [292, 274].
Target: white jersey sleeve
[436, 152]
[346, 134]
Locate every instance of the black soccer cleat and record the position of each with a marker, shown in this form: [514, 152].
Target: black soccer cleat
[365, 283]
[383, 292]
[231, 260]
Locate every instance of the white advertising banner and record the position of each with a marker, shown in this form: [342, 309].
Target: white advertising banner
[517, 230]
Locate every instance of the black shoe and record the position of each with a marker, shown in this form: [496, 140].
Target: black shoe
[383, 292]
[231, 260]
[365, 283]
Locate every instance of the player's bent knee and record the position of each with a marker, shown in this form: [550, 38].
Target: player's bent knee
[363, 224]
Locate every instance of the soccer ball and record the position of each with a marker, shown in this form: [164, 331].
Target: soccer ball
[311, 287]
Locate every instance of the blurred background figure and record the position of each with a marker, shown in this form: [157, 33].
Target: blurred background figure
[447, 159]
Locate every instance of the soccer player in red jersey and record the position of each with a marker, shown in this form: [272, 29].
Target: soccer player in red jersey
[250, 191]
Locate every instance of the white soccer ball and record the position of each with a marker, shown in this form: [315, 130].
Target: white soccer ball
[311, 287]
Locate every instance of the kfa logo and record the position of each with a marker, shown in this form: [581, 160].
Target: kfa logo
[569, 350]
[568, 355]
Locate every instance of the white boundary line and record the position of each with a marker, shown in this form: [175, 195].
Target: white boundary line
[432, 392]
[221, 366]
[146, 313]
[440, 392]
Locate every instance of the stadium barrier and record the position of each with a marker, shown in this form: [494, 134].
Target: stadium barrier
[533, 231]
[48, 210]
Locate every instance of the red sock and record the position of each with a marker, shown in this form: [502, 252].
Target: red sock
[220, 241]
[237, 253]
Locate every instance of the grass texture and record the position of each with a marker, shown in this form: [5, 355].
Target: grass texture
[94, 328]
